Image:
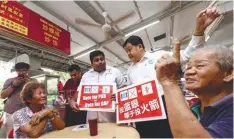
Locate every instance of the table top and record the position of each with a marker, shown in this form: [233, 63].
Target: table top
[105, 130]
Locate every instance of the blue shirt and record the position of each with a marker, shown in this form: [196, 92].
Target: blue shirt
[217, 118]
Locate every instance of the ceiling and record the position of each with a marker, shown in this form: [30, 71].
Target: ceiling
[177, 19]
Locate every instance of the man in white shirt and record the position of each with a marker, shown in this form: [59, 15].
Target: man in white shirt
[143, 68]
[100, 73]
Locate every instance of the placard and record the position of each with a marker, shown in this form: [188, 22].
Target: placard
[141, 102]
[96, 97]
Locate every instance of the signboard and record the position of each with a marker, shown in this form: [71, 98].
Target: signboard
[14, 17]
[18, 19]
[96, 97]
[141, 102]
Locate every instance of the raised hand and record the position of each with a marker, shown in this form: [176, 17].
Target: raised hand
[204, 19]
[168, 67]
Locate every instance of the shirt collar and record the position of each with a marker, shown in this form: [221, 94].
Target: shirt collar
[146, 56]
[225, 101]
[107, 67]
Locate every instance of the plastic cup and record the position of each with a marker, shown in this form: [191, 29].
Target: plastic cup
[93, 123]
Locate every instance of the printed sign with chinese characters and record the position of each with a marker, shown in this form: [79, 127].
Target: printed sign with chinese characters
[14, 16]
[96, 97]
[141, 102]
[18, 19]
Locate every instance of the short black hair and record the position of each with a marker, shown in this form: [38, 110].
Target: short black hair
[94, 54]
[74, 67]
[22, 65]
[134, 40]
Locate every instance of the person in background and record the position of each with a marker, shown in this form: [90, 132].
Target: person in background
[70, 87]
[142, 68]
[11, 92]
[209, 74]
[60, 86]
[35, 119]
[100, 73]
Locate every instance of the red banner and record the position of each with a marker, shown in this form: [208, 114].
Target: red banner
[140, 102]
[19, 19]
[96, 97]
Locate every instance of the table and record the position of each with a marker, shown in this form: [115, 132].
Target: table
[105, 130]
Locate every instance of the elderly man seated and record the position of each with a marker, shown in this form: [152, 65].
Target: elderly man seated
[209, 74]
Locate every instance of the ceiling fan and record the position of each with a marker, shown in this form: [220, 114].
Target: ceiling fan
[107, 26]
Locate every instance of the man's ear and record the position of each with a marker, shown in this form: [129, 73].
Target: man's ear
[229, 76]
[140, 46]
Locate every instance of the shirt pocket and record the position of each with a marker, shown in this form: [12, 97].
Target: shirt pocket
[110, 78]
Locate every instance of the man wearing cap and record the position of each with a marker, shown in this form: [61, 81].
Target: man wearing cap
[11, 92]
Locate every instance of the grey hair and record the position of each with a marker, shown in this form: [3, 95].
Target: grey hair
[224, 56]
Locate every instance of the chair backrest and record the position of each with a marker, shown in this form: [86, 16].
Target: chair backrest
[11, 134]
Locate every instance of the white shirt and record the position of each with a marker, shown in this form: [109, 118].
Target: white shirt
[110, 75]
[144, 70]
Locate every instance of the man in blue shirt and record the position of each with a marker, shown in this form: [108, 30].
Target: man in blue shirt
[209, 74]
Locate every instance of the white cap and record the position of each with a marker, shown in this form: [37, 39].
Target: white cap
[24, 58]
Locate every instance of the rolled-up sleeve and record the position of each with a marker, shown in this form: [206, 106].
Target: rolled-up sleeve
[120, 81]
[6, 84]
[195, 43]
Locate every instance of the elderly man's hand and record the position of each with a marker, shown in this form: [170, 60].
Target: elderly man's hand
[204, 19]
[168, 67]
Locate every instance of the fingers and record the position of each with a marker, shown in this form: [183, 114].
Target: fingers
[164, 59]
[213, 12]
[176, 50]
[216, 13]
[55, 111]
[76, 108]
[201, 13]
[113, 97]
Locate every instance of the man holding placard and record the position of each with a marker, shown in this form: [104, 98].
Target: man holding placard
[99, 83]
[142, 68]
